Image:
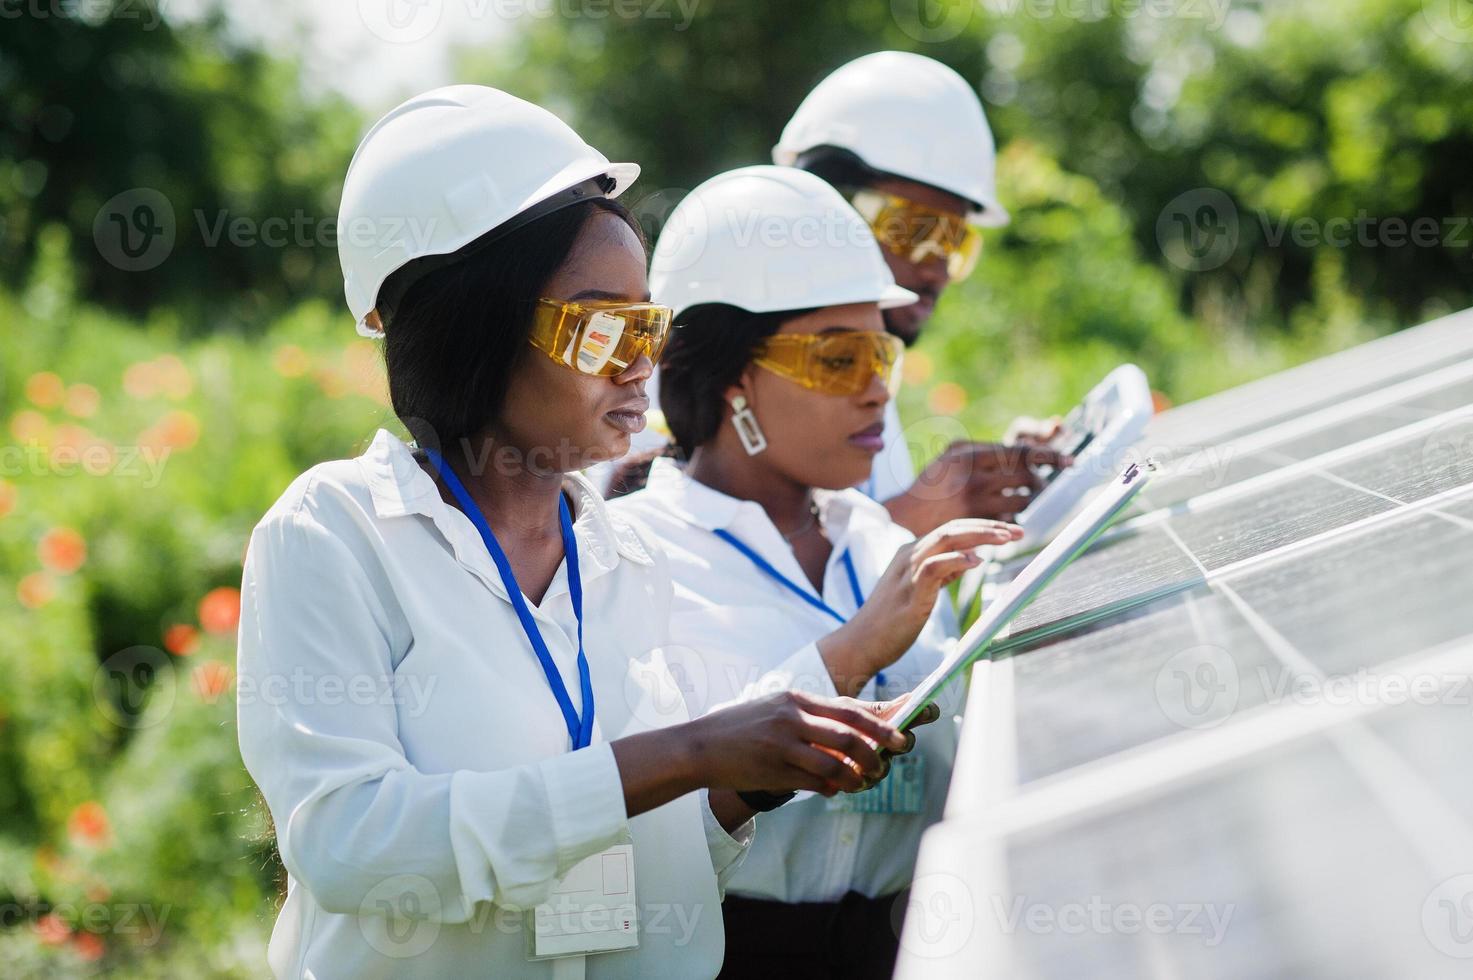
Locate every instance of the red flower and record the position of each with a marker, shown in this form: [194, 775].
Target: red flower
[88, 824]
[181, 639]
[219, 610]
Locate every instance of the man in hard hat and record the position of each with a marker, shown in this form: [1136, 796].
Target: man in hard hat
[905, 139]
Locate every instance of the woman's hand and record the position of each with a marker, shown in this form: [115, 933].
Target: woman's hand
[894, 614]
[793, 741]
[973, 479]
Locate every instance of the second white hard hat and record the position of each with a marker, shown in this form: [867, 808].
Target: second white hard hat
[449, 167]
[767, 239]
[907, 115]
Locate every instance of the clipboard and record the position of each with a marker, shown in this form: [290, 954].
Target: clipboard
[1071, 542]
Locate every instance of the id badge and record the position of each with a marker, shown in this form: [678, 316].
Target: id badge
[591, 909]
[903, 790]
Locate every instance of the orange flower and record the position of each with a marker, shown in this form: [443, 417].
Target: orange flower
[52, 929]
[291, 361]
[88, 946]
[178, 429]
[947, 398]
[62, 549]
[181, 639]
[82, 400]
[29, 425]
[88, 824]
[219, 610]
[8, 495]
[916, 367]
[35, 590]
[45, 389]
[141, 380]
[173, 377]
[211, 680]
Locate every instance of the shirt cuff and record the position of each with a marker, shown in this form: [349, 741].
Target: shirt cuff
[586, 798]
[727, 849]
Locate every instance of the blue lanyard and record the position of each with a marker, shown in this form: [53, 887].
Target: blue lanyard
[766, 567]
[580, 730]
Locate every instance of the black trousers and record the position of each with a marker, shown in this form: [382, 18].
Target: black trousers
[855, 938]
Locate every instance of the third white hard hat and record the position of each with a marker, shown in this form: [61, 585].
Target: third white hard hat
[767, 239]
[907, 115]
[448, 167]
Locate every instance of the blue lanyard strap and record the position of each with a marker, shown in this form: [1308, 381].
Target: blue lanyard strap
[766, 567]
[580, 730]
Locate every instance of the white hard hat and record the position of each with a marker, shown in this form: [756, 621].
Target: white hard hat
[907, 115]
[447, 167]
[768, 239]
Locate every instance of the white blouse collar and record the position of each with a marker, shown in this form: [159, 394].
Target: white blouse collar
[399, 486]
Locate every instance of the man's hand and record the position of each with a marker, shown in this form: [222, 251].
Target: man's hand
[973, 479]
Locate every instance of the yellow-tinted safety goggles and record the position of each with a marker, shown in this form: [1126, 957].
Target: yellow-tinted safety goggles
[599, 338]
[840, 363]
[918, 232]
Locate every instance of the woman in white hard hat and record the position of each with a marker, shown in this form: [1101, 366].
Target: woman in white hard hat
[774, 389]
[452, 693]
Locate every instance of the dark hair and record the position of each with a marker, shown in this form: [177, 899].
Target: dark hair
[706, 354]
[453, 341]
[838, 167]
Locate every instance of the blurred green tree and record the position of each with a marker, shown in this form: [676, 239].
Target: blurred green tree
[191, 171]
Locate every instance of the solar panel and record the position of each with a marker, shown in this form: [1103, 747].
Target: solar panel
[1231, 741]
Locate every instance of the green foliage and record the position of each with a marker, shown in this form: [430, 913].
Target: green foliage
[106, 98]
[122, 794]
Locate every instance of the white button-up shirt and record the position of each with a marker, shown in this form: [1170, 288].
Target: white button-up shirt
[413, 756]
[736, 633]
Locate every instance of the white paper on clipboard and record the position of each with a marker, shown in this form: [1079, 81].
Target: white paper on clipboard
[1077, 536]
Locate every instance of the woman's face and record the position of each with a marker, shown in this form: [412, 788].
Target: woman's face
[561, 419]
[814, 438]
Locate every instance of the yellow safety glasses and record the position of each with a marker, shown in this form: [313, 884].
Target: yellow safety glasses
[839, 363]
[918, 232]
[599, 338]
